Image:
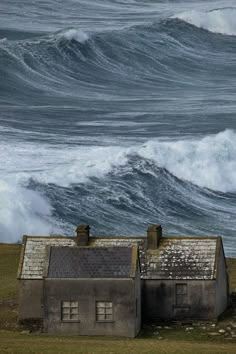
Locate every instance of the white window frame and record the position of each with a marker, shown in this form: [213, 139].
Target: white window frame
[104, 311]
[69, 311]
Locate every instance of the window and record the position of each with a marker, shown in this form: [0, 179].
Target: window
[104, 311]
[69, 311]
[181, 294]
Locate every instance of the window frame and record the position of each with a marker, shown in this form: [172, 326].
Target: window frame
[107, 317]
[70, 308]
[181, 295]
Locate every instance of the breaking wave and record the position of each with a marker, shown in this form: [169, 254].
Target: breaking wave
[208, 162]
[22, 211]
[74, 34]
[216, 21]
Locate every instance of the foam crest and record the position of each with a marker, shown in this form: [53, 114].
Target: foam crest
[61, 165]
[208, 162]
[22, 211]
[216, 21]
[76, 35]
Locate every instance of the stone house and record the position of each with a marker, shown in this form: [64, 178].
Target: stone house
[66, 283]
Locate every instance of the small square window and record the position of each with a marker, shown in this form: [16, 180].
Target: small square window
[69, 311]
[181, 292]
[104, 311]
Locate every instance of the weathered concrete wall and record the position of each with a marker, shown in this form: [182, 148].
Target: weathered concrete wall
[121, 292]
[159, 300]
[138, 322]
[30, 294]
[221, 285]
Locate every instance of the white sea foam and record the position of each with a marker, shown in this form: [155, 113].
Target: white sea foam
[22, 211]
[208, 162]
[77, 35]
[217, 21]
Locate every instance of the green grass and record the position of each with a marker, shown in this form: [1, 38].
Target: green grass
[13, 342]
[231, 264]
[14, 339]
[9, 259]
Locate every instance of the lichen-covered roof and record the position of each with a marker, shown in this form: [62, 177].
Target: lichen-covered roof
[181, 258]
[175, 258]
[33, 254]
[90, 262]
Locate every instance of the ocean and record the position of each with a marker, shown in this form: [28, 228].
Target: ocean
[119, 114]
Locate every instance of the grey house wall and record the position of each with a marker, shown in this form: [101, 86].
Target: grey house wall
[138, 307]
[30, 294]
[222, 285]
[159, 300]
[122, 292]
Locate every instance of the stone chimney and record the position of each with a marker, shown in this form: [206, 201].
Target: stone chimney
[82, 238]
[154, 234]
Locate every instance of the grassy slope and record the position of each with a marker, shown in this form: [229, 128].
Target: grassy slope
[231, 264]
[9, 258]
[13, 341]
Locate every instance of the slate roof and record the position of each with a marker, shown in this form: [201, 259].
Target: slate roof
[181, 258]
[90, 262]
[176, 257]
[33, 253]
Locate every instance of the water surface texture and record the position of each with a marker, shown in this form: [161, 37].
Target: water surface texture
[118, 114]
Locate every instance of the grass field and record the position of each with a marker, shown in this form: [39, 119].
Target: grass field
[231, 264]
[169, 341]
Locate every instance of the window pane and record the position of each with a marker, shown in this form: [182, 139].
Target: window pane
[178, 289]
[74, 304]
[109, 311]
[74, 310]
[66, 310]
[100, 304]
[65, 317]
[100, 317]
[108, 317]
[74, 317]
[65, 303]
[101, 310]
[178, 299]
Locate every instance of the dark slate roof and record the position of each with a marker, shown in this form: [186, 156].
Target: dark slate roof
[88, 262]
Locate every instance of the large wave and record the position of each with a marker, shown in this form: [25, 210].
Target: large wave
[73, 63]
[206, 162]
[209, 162]
[216, 21]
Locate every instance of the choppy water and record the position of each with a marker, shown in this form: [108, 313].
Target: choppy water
[118, 114]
